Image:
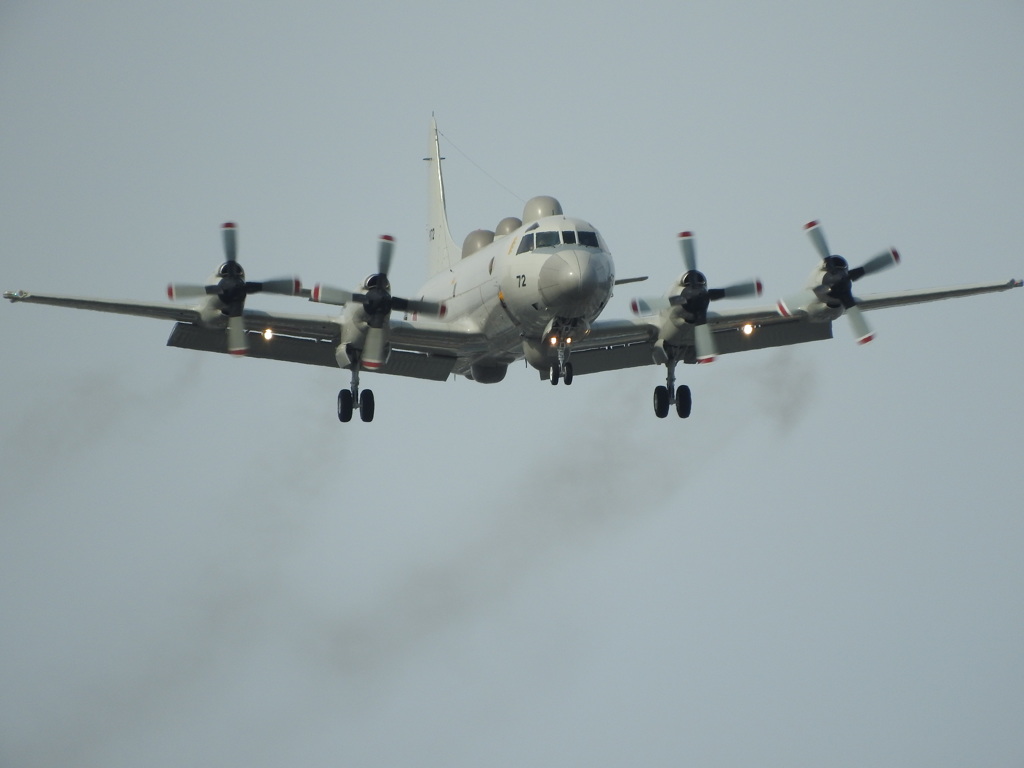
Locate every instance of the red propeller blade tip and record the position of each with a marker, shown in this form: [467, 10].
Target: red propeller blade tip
[389, 238]
[760, 287]
[685, 234]
[895, 255]
[811, 224]
[228, 225]
[315, 295]
[170, 292]
[866, 339]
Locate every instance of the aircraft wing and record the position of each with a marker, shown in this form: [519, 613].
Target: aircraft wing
[902, 298]
[629, 343]
[158, 310]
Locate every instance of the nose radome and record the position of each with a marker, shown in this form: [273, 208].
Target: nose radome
[571, 281]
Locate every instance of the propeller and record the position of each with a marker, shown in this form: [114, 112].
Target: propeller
[232, 288]
[693, 300]
[378, 303]
[836, 287]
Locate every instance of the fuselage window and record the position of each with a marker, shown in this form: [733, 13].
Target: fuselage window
[547, 239]
[526, 244]
[569, 237]
[589, 239]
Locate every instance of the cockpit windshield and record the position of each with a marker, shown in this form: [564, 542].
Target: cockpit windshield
[532, 240]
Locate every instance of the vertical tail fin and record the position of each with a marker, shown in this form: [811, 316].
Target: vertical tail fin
[442, 252]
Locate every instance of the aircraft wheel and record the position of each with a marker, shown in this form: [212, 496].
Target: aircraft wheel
[554, 374]
[567, 375]
[366, 405]
[661, 402]
[345, 405]
[684, 402]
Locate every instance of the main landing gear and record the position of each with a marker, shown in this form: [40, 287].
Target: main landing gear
[349, 398]
[562, 371]
[668, 395]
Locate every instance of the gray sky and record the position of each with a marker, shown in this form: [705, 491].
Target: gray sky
[199, 565]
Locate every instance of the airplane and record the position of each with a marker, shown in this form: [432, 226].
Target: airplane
[532, 288]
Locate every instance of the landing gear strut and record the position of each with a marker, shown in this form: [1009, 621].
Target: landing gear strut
[349, 398]
[668, 395]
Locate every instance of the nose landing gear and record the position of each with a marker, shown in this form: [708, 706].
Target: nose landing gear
[560, 337]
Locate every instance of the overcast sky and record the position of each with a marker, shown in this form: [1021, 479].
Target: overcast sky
[200, 566]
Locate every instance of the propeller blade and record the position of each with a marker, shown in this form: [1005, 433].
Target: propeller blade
[237, 344]
[373, 348]
[650, 306]
[739, 290]
[861, 331]
[704, 341]
[230, 241]
[813, 229]
[686, 245]
[325, 294]
[286, 286]
[418, 307]
[177, 291]
[387, 247]
[877, 263]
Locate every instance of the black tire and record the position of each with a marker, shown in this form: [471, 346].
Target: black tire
[366, 405]
[345, 405]
[684, 402]
[567, 374]
[661, 402]
[554, 374]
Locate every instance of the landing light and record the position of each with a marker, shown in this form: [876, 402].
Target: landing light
[554, 341]
[748, 329]
[268, 334]
[568, 340]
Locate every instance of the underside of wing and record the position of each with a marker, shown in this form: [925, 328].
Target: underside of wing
[438, 338]
[617, 344]
[311, 349]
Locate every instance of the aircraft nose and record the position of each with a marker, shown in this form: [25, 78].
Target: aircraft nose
[575, 283]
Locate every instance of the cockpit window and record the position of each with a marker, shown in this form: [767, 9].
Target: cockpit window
[533, 240]
[526, 244]
[547, 239]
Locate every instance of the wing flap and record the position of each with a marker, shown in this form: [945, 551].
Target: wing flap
[732, 338]
[286, 348]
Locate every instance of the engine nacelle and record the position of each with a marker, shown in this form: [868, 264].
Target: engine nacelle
[488, 374]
